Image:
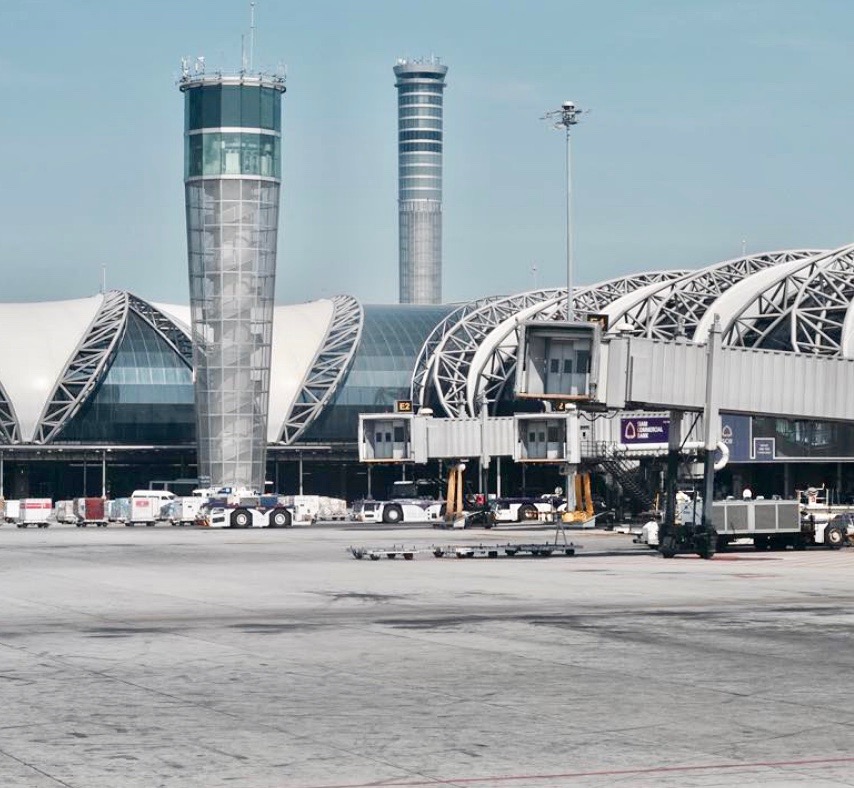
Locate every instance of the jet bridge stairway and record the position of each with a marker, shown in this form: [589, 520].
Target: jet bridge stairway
[623, 469]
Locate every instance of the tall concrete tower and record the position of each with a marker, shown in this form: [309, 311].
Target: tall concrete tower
[420, 84]
[232, 174]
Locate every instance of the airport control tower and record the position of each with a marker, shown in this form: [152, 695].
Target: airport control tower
[420, 84]
[232, 175]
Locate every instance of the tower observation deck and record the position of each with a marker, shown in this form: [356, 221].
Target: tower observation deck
[420, 85]
[232, 175]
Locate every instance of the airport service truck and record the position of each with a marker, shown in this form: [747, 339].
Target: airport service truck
[240, 508]
[407, 502]
[772, 525]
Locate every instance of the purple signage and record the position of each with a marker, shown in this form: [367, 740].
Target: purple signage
[654, 429]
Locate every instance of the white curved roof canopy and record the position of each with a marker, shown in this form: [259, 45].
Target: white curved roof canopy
[328, 367]
[39, 341]
[298, 333]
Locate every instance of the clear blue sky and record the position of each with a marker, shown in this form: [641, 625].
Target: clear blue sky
[711, 122]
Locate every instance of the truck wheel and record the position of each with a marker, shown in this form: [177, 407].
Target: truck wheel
[280, 518]
[240, 518]
[833, 537]
[668, 547]
[392, 514]
[527, 511]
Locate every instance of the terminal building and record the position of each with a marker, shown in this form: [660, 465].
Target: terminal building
[98, 393]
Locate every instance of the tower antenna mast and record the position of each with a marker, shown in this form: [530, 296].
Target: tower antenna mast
[251, 34]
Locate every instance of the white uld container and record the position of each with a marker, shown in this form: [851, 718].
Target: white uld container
[35, 511]
[149, 506]
[11, 511]
[183, 510]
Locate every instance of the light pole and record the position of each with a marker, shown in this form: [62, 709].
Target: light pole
[566, 117]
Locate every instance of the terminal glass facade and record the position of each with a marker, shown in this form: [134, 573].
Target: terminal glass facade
[232, 171]
[420, 138]
[381, 371]
[146, 396]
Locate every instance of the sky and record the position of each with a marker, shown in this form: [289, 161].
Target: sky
[713, 126]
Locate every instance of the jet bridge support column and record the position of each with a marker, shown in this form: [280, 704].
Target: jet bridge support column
[706, 539]
[674, 445]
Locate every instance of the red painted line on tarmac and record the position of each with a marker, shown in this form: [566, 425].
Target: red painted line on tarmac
[507, 778]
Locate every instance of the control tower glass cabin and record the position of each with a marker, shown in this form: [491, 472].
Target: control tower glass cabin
[232, 174]
[420, 85]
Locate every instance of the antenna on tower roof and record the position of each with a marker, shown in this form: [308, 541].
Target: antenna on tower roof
[251, 34]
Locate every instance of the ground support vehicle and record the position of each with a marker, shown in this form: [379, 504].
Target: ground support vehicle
[149, 507]
[244, 509]
[772, 525]
[527, 509]
[818, 504]
[398, 511]
[407, 502]
[184, 510]
[34, 511]
[90, 511]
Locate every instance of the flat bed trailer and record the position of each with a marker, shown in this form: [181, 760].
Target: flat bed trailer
[506, 550]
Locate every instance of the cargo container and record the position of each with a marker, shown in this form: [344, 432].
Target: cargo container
[11, 511]
[34, 511]
[311, 508]
[63, 512]
[149, 506]
[118, 510]
[90, 511]
[185, 509]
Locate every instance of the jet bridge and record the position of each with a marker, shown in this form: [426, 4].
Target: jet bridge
[627, 372]
[652, 374]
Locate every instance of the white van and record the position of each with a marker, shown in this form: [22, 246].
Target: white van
[149, 506]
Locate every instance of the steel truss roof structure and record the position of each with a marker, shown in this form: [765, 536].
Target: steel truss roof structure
[456, 347]
[802, 309]
[422, 372]
[473, 351]
[87, 366]
[675, 307]
[330, 365]
[9, 430]
[175, 336]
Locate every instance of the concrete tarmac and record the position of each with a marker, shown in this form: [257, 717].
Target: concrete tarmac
[182, 657]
